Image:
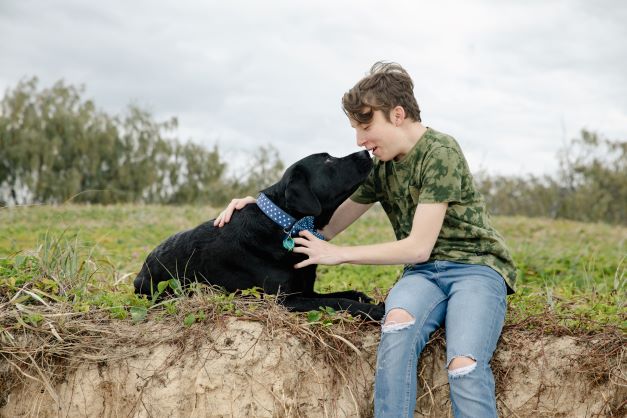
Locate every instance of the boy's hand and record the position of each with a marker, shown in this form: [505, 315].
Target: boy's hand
[318, 251]
[236, 204]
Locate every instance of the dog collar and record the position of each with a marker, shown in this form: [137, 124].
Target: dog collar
[290, 225]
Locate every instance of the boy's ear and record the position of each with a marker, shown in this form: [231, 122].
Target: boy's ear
[298, 195]
[397, 115]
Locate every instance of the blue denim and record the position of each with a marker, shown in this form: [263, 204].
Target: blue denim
[469, 300]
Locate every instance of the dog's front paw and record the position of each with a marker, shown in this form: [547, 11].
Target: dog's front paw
[378, 311]
[373, 312]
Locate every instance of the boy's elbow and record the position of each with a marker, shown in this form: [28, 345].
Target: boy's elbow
[419, 253]
[421, 257]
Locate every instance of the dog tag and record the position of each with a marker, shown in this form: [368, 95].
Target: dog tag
[288, 243]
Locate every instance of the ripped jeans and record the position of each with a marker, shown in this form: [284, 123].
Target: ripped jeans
[469, 300]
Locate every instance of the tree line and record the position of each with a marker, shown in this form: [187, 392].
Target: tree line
[56, 146]
[590, 185]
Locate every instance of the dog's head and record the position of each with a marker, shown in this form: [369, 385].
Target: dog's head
[319, 183]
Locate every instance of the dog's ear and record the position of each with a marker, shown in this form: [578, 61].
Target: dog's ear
[298, 195]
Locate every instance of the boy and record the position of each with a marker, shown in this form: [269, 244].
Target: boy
[457, 267]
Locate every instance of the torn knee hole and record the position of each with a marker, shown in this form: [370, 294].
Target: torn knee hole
[397, 319]
[461, 365]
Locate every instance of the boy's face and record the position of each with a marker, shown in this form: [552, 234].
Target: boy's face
[378, 136]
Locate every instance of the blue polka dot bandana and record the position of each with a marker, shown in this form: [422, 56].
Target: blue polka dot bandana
[286, 221]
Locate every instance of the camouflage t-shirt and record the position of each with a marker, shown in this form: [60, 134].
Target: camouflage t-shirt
[435, 171]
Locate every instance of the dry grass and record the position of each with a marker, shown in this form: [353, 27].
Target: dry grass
[62, 337]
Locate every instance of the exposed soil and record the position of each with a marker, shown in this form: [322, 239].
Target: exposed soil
[249, 368]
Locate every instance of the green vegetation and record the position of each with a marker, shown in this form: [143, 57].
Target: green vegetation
[87, 257]
[59, 147]
[590, 185]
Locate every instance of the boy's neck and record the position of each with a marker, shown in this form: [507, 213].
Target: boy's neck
[414, 131]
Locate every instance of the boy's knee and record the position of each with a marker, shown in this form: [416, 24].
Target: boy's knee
[397, 319]
[461, 365]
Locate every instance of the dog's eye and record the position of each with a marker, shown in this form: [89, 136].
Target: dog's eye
[328, 161]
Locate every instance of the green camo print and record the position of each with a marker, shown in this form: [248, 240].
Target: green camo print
[435, 170]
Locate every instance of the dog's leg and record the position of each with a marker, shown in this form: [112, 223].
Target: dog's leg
[364, 310]
[304, 284]
[346, 294]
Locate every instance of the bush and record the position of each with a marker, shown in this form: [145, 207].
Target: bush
[590, 186]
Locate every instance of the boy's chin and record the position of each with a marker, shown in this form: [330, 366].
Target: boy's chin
[384, 158]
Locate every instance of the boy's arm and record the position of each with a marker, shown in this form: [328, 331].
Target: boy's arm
[343, 217]
[416, 248]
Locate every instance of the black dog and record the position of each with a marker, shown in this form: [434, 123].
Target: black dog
[252, 250]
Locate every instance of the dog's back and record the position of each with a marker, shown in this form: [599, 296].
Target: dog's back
[233, 257]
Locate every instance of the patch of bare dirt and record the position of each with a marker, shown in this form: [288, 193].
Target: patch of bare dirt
[251, 368]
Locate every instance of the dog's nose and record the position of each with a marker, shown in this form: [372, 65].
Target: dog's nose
[365, 155]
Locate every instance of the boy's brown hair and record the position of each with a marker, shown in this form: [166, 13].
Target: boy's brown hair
[388, 85]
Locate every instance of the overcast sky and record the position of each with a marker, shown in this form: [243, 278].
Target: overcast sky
[512, 81]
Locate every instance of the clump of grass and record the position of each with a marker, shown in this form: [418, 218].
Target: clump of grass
[579, 311]
[61, 269]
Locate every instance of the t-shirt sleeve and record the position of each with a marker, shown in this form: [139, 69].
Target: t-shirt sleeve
[441, 176]
[366, 193]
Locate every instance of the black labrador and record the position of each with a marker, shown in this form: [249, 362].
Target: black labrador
[254, 250]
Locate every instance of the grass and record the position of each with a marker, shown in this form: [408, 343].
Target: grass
[66, 293]
[87, 256]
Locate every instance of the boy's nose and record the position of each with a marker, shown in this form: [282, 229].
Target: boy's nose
[360, 140]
